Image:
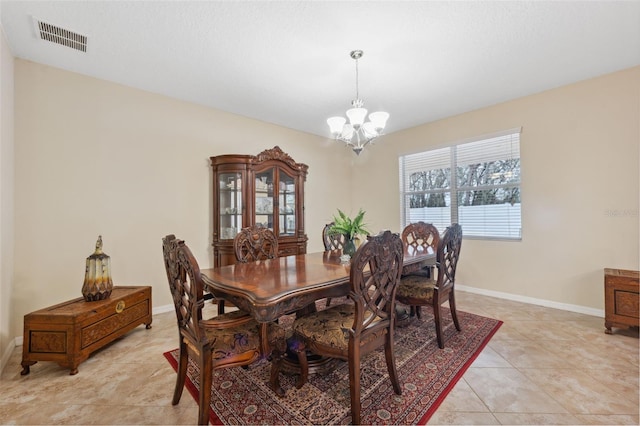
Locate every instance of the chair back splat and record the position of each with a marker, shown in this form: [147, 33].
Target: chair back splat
[255, 243]
[448, 255]
[188, 297]
[332, 241]
[351, 330]
[421, 236]
[375, 272]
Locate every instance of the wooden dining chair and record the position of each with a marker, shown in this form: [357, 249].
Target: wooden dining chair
[331, 241]
[351, 330]
[250, 244]
[421, 236]
[418, 290]
[255, 243]
[229, 340]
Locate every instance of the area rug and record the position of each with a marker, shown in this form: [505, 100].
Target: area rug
[427, 374]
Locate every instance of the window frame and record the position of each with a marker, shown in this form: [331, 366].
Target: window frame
[454, 188]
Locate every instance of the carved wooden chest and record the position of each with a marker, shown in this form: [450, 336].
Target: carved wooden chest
[620, 298]
[69, 332]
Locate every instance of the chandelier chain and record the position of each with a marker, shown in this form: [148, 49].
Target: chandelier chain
[357, 82]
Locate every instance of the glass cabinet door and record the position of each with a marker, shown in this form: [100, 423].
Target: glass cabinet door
[264, 201]
[286, 204]
[230, 202]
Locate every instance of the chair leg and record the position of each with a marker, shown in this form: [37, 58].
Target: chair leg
[438, 322]
[328, 302]
[220, 306]
[300, 350]
[274, 380]
[390, 356]
[206, 378]
[354, 386]
[454, 313]
[183, 360]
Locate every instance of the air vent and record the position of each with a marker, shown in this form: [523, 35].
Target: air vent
[61, 36]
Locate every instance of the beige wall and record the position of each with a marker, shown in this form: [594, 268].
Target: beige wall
[93, 157]
[8, 320]
[96, 158]
[580, 185]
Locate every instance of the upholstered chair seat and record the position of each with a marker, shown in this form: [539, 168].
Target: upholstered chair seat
[234, 341]
[329, 327]
[416, 287]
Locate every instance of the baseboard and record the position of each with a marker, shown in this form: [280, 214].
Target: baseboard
[7, 354]
[162, 309]
[533, 301]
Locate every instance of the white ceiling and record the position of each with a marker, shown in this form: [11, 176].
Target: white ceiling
[287, 62]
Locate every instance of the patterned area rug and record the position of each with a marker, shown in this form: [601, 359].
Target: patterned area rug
[427, 375]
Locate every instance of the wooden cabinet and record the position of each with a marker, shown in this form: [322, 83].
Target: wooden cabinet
[266, 189]
[620, 298]
[69, 332]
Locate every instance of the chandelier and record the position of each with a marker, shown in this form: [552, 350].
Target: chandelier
[357, 133]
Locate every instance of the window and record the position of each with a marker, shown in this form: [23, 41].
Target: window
[476, 184]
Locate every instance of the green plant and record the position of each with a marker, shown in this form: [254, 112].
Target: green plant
[343, 224]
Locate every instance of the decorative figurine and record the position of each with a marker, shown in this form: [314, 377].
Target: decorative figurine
[97, 278]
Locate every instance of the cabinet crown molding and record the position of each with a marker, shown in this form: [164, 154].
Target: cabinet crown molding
[276, 153]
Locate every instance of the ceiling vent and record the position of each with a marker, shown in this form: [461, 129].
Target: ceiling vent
[60, 36]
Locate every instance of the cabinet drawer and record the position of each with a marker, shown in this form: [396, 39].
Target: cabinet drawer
[111, 324]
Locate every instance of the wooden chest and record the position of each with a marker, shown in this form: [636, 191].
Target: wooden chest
[620, 298]
[69, 332]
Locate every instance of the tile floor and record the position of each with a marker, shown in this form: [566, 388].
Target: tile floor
[544, 366]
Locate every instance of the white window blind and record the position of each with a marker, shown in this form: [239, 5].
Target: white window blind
[475, 183]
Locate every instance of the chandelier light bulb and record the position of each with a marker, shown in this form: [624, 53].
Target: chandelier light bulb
[358, 132]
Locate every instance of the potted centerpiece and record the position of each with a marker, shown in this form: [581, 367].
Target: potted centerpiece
[350, 228]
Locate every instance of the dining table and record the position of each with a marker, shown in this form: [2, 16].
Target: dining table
[268, 289]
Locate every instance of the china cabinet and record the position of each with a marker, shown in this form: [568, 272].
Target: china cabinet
[265, 189]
